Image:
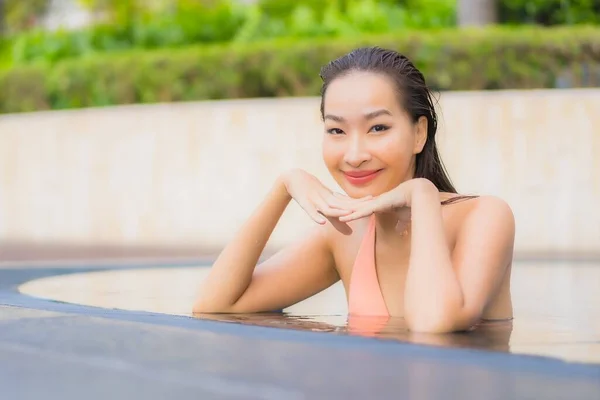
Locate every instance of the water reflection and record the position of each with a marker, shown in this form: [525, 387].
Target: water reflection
[488, 335]
[556, 308]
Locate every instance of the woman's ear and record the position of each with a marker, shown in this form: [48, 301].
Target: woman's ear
[420, 134]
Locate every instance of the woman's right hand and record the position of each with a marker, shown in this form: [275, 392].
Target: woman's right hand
[319, 202]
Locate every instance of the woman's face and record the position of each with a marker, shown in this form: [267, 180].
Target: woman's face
[370, 142]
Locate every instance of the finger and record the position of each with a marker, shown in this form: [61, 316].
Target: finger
[334, 212]
[357, 214]
[376, 205]
[314, 213]
[317, 217]
[324, 208]
[336, 202]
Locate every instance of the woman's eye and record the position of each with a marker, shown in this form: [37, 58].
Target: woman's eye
[380, 128]
[335, 131]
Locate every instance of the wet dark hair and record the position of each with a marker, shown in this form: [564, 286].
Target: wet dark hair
[413, 93]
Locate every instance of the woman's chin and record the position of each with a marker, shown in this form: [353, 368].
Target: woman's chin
[360, 191]
[356, 193]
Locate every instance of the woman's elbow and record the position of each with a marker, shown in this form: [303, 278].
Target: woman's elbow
[439, 321]
[432, 326]
[427, 324]
[202, 306]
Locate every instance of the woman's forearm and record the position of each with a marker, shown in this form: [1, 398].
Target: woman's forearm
[231, 274]
[433, 293]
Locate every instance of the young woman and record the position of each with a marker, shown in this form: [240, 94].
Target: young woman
[401, 240]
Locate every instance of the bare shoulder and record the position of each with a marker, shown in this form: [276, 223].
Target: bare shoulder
[489, 215]
[478, 206]
[491, 209]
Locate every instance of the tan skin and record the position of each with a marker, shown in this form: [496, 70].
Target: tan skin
[441, 268]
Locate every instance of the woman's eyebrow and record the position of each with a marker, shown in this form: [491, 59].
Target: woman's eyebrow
[369, 115]
[334, 118]
[377, 113]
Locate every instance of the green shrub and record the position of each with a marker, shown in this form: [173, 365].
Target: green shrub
[549, 12]
[343, 18]
[282, 9]
[193, 22]
[23, 89]
[190, 22]
[21, 15]
[5, 53]
[474, 59]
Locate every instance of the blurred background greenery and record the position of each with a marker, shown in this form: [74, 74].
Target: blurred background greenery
[140, 51]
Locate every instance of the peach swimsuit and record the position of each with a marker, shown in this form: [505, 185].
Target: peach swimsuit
[365, 297]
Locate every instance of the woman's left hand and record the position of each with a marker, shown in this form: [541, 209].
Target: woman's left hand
[397, 200]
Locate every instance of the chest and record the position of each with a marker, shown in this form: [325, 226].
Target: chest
[391, 258]
[391, 266]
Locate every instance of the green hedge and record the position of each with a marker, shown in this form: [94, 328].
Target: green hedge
[549, 12]
[223, 21]
[478, 59]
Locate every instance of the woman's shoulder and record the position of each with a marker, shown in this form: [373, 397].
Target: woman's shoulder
[490, 205]
[489, 202]
[481, 211]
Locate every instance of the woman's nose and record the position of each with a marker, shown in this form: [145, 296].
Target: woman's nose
[357, 153]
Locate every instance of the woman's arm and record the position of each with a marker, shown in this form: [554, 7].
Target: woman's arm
[295, 273]
[448, 290]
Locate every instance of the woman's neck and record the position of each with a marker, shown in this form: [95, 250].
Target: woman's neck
[386, 223]
[386, 226]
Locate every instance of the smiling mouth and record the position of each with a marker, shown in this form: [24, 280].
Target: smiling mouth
[361, 177]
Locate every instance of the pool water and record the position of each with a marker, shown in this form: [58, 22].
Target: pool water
[556, 308]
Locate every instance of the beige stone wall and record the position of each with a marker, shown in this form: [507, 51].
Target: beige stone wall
[189, 174]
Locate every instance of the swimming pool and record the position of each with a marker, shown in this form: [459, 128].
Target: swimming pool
[556, 308]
